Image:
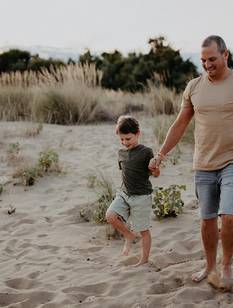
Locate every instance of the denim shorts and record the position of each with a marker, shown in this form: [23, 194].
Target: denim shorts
[214, 190]
[135, 209]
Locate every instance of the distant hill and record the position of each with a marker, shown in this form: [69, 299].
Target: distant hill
[47, 52]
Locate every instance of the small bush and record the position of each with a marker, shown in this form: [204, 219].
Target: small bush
[167, 202]
[106, 196]
[105, 192]
[48, 160]
[13, 157]
[14, 148]
[29, 175]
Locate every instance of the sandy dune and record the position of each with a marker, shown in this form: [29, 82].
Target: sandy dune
[50, 258]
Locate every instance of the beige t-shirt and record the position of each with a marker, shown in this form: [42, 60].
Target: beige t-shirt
[213, 111]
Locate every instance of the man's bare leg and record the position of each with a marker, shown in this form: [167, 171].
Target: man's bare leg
[209, 232]
[227, 247]
[146, 246]
[116, 221]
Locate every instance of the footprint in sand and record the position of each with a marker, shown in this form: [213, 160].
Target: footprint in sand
[159, 288]
[129, 261]
[22, 283]
[97, 288]
[34, 275]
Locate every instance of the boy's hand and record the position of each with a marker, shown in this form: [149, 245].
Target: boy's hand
[155, 172]
[155, 162]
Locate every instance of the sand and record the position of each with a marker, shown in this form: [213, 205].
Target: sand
[52, 258]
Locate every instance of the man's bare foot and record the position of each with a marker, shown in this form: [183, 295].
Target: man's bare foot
[199, 276]
[226, 282]
[128, 244]
[213, 279]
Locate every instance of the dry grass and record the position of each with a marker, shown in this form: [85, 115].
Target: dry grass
[72, 95]
[162, 124]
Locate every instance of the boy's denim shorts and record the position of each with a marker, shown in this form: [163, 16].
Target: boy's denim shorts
[214, 190]
[136, 209]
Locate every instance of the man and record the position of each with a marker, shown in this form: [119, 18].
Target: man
[209, 98]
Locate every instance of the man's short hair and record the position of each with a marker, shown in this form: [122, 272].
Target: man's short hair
[218, 40]
[127, 124]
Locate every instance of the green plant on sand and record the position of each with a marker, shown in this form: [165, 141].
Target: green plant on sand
[167, 202]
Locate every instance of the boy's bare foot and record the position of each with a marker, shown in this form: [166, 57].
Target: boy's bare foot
[199, 276]
[128, 244]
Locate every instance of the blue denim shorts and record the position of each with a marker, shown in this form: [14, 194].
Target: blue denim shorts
[136, 209]
[214, 190]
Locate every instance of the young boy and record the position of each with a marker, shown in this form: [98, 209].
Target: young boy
[134, 201]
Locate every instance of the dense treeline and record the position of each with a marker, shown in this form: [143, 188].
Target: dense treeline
[131, 73]
[162, 64]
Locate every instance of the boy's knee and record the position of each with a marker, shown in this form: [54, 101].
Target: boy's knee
[110, 217]
[145, 233]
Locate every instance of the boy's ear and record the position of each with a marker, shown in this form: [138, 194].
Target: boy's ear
[138, 133]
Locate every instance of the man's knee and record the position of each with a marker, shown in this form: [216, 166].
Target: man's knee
[227, 220]
[208, 223]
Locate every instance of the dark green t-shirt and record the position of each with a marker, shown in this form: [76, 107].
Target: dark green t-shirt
[135, 173]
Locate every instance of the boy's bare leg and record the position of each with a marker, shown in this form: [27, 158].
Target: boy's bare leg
[115, 220]
[209, 232]
[146, 246]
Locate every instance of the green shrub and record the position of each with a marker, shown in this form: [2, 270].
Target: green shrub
[48, 160]
[29, 175]
[106, 193]
[14, 148]
[167, 202]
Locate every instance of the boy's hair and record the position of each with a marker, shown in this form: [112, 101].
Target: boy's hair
[127, 124]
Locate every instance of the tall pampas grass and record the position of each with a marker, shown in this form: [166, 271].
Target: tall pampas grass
[72, 94]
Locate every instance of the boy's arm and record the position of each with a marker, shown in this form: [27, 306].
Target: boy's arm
[155, 172]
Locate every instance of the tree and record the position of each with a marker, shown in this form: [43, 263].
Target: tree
[169, 65]
[14, 60]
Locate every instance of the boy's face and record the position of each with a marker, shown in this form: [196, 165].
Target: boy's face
[129, 140]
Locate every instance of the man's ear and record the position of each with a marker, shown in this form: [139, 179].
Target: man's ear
[226, 54]
[138, 133]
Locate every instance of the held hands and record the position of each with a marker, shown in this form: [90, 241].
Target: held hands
[155, 172]
[155, 163]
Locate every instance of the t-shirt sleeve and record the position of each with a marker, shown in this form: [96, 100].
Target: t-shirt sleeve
[119, 160]
[149, 155]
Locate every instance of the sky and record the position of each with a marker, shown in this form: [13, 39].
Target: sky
[105, 25]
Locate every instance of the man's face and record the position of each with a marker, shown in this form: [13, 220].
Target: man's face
[129, 140]
[213, 61]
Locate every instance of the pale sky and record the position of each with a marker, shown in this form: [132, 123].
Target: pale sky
[105, 25]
